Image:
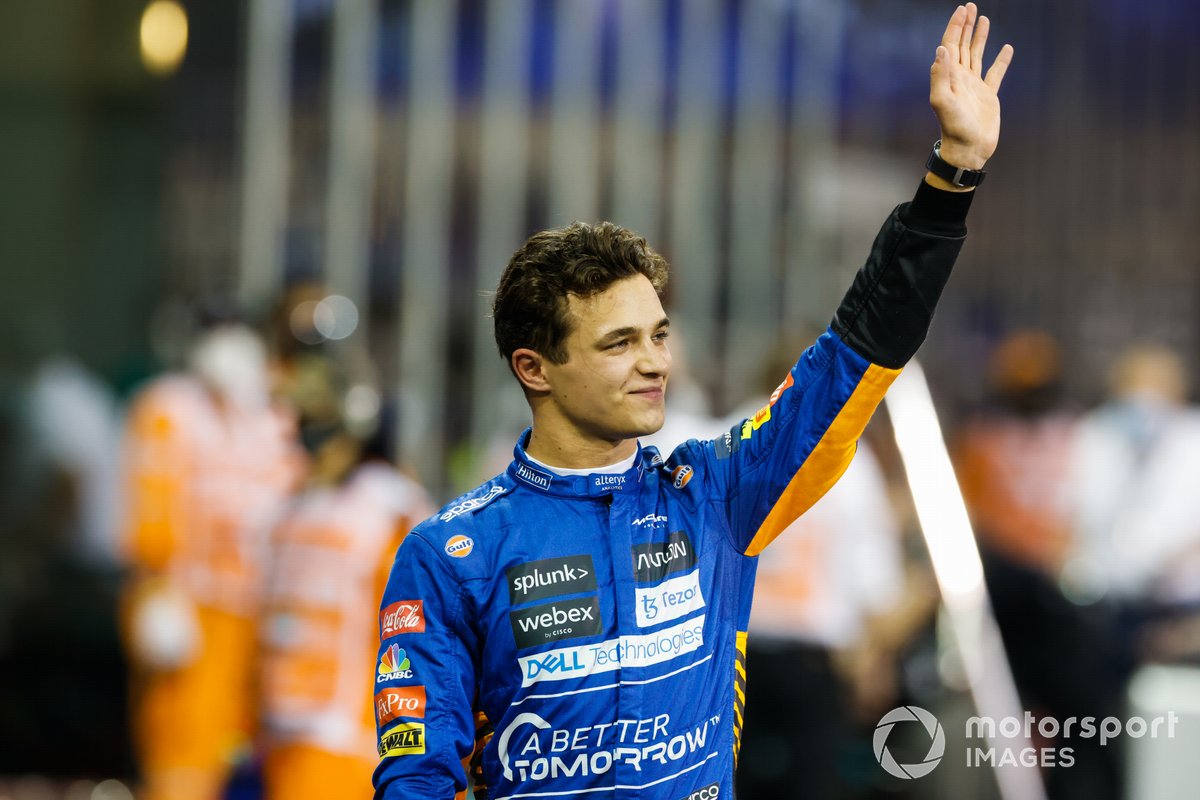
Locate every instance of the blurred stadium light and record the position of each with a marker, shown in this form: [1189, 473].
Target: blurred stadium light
[163, 36]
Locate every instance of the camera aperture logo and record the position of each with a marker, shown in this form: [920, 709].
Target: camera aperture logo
[937, 742]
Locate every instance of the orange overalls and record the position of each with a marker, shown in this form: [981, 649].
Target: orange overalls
[206, 482]
[320, 633]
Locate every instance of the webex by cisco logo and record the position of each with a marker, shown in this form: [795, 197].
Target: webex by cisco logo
[552, 622]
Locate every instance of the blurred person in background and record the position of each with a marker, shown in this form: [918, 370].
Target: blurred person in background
[1012, 456]
[330, 557]
[1136, 508]
[209, 462]
[58, 585]
[1013, 462]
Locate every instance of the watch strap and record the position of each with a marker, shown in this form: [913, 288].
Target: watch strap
[958, 176]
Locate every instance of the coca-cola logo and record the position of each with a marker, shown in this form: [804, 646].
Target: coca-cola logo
[403, 616]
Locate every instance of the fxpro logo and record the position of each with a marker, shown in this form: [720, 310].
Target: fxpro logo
[669, 600]
[530, 748]
[552, 622]
[403, 701]
[640, 650]
[937, 742]
[536, 580]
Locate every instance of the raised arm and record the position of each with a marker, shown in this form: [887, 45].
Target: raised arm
[774, 466]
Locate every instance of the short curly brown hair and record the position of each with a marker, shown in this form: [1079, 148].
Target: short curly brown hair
[530, 308]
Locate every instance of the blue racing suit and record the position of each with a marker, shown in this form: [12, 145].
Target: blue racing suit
[560, 636]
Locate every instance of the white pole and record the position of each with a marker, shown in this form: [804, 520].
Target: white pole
[958, 569]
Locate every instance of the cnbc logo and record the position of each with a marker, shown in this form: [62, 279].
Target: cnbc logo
[394, 664]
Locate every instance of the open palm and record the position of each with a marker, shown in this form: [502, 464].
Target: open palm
[963, 97]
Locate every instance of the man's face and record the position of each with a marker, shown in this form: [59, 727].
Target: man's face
[613, 383]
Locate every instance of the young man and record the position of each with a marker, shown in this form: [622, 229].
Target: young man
[581, 618]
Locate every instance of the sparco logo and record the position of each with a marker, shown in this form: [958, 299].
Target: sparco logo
[551, 622]
[937, 742]
[710, 792]
[530, 475]
[654, 561]
[551, 576]
[471, 503]
[404, 616]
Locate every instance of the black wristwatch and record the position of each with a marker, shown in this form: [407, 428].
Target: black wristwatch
[959, 176]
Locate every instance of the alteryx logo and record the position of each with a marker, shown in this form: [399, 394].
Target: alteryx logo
[608, 483]
[394, 664]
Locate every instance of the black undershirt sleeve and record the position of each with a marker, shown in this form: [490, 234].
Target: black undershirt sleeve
[887, 310]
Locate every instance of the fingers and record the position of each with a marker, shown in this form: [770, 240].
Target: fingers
[977, 44]
[968, 29]
[995, 75]
[953, 33]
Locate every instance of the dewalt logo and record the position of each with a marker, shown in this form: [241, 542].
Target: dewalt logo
[406, 739]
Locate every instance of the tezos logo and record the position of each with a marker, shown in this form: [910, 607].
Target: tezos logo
[937, 746]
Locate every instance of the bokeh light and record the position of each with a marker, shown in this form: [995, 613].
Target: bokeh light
[163, 36]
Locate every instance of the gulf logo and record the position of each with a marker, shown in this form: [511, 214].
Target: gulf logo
[459, 546]
[681, 475]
